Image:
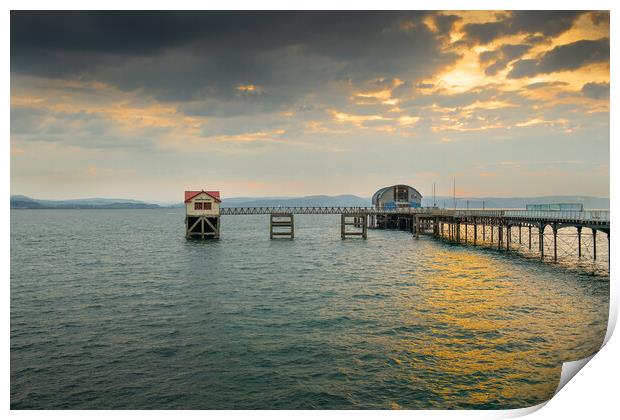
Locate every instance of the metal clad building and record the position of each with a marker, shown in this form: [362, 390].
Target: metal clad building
[397, 196]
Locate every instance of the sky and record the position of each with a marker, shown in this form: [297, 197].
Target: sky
[145, 105]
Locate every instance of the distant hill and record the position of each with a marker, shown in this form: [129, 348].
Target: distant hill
[23, 202]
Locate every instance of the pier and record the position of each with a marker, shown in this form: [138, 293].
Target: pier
[503, 229]
[399, 207]
[508, 229]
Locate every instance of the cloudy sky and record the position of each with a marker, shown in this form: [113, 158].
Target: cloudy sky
[145, 104]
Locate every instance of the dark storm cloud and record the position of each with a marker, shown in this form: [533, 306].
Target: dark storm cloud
[546, 22]
[445, 23]
[147, 32]
[498, 59]
[563, 57]
[183, 56]
[596, 90]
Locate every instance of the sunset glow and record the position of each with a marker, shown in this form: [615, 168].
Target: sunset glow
[291, 105]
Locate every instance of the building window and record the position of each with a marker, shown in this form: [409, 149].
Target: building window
[208, 205]
[401, 194]
[197, 206]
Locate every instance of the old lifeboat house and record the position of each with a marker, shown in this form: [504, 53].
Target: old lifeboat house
[202, 214]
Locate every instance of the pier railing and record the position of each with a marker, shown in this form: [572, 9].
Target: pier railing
[236, 211]
[569, 215]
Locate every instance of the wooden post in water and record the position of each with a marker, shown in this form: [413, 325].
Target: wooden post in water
[491, 226]
[579, 241]
[519, 233]
[281, 220]
[359, 221]
[594, 243]
[529, 229]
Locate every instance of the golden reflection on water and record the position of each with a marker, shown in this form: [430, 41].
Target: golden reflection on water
[492, 335]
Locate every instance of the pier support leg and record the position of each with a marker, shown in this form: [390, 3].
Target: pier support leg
[484, 233]
[475, 232]
[529, 237]
[579, 241]
[594, 243]
[417, 227]
[500, 233]
[519, 233]
[508, 238]
[364, 228]
[491, 233]
[541, 240]
[555, 242]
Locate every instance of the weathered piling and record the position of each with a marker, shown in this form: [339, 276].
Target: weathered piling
[281, 225]
[358, 221]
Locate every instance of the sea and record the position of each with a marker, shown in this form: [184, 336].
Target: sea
[116, 309]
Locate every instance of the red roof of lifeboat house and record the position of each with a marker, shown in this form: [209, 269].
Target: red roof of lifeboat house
[191, 194]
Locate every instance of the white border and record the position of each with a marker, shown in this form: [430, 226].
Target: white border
[593, 393]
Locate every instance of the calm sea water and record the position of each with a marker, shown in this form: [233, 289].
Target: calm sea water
[116, 309]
